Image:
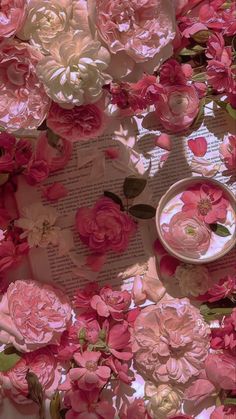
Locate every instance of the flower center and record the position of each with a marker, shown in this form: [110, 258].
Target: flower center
[204, 206]
[178, 103]
[91, 365]
[191, 231]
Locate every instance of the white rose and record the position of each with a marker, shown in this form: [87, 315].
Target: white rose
[193, 280]
[74, 73]
[164, 400]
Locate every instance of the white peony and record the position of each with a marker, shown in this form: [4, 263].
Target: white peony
[164, 400]
[193, 280]
[74, 73]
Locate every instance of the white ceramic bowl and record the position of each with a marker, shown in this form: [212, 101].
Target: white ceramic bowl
[179, 187]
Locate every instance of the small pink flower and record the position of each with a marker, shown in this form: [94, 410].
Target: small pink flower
[163, 141]
[224, 337]
[86, 405]
[89, 374]
[188, 234]
[121, 370]
[111, 303]
[228, 152]
[12, 17]
[55, 192]
[219, 76]
[198, 146]
[224, 288]
[205, 201]
[177, 107]
[118, 341]
[224, 412]
[105, 227]
[220, 370]
[77, 124]
[215, 46]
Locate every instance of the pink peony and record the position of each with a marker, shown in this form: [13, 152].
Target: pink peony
[89, 374]
[12, 17]
[105, 227]
[170, 341]
[207, 202]
[23, 101]
[220, 370]
[224, 337]
[77, 124]
[177, 107]
[43, 364]
[37, 314]
[187, 234]
[228, 152]
[111, 302]
[224, 412]
[223, 289]
[86, 405]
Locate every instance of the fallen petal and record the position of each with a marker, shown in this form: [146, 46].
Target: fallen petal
[163, 141]
[198, 146]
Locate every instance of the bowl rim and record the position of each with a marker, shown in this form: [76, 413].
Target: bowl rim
[167, 196]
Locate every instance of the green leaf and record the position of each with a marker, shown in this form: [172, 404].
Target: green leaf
[142, 211]
[229, 401]
[196, 50]
[114, 198]
[8, 359]
[55, 406]
[35, 391]
[219, 230]
[3, 178]
[133, 186]
[231, 111]
[201, 36]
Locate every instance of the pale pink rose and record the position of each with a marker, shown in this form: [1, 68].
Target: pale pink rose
[188, 234]
[228, 152]
[205, 201]
[12, 17]
[77, 124]
[89, 374]
[38, 314]
[224, 412]
[170, 341]
[111, 303]
[43, 364]
[23, 101]
[105, 227]
[177, 107]
[198, 146]
[88, 405]
[55, 191]
[220, 370]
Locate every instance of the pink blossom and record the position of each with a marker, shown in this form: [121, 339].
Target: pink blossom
[77, 124]
[187, 233]
[228, 152]
[205, 201]
[177, 107]
[12, 17]
[219, 76]
[86, 328]
[120, 369]
[105, 227]
[224, 412]
[163, 141]
[220, 370]
[55, 191]
[173, 73]
[118, 341]
[223, 289]
[86, 405]
[224, 337]
[111, 303]
[198, 146]
[37, 314]
[134, 410]
[82, 297]
[215, 46]
[170, 341]
[23, 101]
[89, 374]
[201, 89]
[43, 364]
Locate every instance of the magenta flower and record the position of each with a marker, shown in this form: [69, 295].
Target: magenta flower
[86, 405]
[205, 201]
[111, 302]
[89, 374]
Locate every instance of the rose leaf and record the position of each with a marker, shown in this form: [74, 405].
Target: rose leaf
[142, 211]
[133, 186]
[8, 359]
[219, 230]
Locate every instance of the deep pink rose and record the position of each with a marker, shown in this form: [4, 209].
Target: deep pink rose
[173, 73]
[36, 314]
[177, 107]
[105, 227]
[220, 370]
[77, 124]
[188, 234]
[12, 17]
[228, 152]
[43, 364]
[87, 405]
[224, 412]
[23, 101]
[110, 302]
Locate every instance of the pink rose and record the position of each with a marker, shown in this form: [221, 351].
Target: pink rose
[228, 152]
[188, 234]
[37, 314]
[89, 374]
[105, 227]
[85, 405]
[12, 17]
[77, 124]
[220, 370]
[224, 412]
[177, 107]
[110, 302]
[23, 101]
[43, 364]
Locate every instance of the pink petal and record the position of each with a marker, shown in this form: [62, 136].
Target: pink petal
[112, 153]
[96, 261]
[158, 248]
[198, 146]
[91, 378]
[163, 141]
[103, 372]
[168, 265]
[55, 192]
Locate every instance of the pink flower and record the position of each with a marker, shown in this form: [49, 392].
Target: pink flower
[224, 412]
[118, 341]
[225, 336]
[111, 303]
[174, 74]
[105, 227]
[82, 297]
[77, 124]
[43, 364]
[38, 168]
[89, 374]
[55, 191]
[198, 146]
[223, 289]
[215, 46]
[135, 410]
[220, 370]
[86, 405]
[228, 152]
[23, 101]
[187, 233]
[219, 76]
[7, 147]
[177, 107]
[38, 314]
[12, 17]
[170, 341]
[120, 369]
[86, 328]
[205, 201]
